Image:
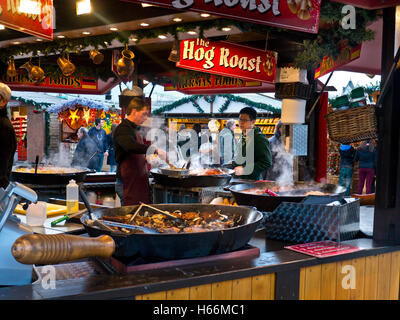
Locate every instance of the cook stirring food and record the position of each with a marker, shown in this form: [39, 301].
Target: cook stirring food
[130, 154]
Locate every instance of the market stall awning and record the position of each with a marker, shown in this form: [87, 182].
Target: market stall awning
[57, 108]
[42, 99]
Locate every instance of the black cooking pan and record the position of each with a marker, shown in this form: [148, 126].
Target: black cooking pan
[49, 178]
[191, 181]
[181, 245]
[267, 203]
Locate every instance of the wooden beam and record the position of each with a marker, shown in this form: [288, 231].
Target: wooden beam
[387, 199]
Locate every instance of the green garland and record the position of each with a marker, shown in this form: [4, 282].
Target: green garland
[229, 98]
[31, 102]
[328, 38]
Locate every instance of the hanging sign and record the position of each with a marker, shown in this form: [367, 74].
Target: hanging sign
[300, 15]
[76, 84]
[228, 59]
[328, 64]
[40, 24]
[209, 83]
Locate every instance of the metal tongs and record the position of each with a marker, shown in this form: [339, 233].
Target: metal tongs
[165, 213]
[128, 226]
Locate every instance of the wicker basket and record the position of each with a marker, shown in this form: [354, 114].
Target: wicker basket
[293, 90]
[352, 125]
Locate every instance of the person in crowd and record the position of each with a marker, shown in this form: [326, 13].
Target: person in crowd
[8, 140]
[84, 155]
[254, 140]
[347, 154]
[111, 152]
[226, 139]
[277, 149]
[130, 154]
[366, 156]
[182, 136]
[99, 136]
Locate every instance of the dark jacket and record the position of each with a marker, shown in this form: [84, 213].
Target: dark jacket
[366, 158]
[347, 158]
[8, 143]
[100, 138]
[85, 149]
[262, 154]
[111, 151]
[125, 142]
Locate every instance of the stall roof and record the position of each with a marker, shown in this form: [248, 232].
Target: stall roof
[35, 98]
[201, 105]
[100, 105]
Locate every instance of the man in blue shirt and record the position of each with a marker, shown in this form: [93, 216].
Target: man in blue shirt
[99, 136]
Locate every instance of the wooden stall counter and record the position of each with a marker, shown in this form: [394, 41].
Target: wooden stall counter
[280, 275]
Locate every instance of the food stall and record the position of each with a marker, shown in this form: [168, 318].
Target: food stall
[216, 110]
[346, 265]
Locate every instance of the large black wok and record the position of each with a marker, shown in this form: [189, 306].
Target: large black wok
[181, 245]
[49, 178]
[267, 203]
[191, 181]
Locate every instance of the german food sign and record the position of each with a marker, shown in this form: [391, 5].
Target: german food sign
[50, 84]
[39, 24]
[228, 59]
[329, 64]
[209, 83]
[300, 15]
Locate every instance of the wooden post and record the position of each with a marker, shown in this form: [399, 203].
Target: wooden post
[387, 199]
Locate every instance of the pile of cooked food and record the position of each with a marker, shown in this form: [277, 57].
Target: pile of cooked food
[207, 172]
[189, 222]
[287, 190]
[43, 169]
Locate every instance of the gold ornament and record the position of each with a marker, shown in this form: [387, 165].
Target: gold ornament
[66, 66]
[96, 56]
[35, 73]
[11, 71]
[125, 65]
[174, 54]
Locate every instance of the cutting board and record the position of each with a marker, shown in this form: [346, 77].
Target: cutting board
[53, 210]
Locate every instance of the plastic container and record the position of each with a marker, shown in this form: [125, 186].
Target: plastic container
[36, 214]
[72, 197]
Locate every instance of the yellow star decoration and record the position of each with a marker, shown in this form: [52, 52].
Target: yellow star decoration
[86, 115]
[73, 116]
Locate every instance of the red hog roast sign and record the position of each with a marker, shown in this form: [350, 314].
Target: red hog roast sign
[228, 59]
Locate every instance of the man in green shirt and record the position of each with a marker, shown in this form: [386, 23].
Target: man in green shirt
[253, 154]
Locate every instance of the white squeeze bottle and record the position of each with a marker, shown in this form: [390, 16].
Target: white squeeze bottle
[72, 197]
[36, 214]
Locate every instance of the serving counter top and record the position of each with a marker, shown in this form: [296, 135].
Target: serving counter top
[286, 266]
